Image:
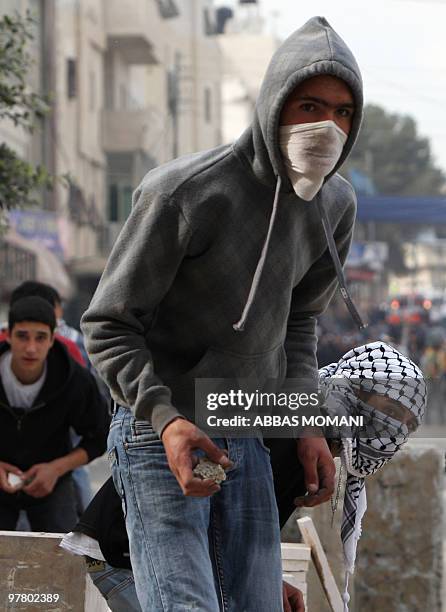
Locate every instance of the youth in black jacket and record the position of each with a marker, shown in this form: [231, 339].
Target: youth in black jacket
[68, 398]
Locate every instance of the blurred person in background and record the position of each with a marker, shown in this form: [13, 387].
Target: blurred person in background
[72, 339]
[48, 293]
[433, 361]
[433, 364]
[43, 392]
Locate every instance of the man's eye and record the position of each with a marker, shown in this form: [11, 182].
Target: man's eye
[412, 425]
[307, 107]
[393, 412]
[344, 112]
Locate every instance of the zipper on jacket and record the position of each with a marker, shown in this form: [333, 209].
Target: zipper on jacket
[19, 419]
[19, 423]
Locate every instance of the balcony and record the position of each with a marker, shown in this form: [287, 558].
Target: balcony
[168, 8]
[128, 131]
[133, 31]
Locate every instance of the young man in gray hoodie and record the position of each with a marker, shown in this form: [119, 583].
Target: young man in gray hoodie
[220, 272]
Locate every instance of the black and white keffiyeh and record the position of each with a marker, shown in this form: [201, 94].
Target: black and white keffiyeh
[379, 369]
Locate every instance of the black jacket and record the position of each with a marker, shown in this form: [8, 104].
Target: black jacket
[69, 398]
[103, 521]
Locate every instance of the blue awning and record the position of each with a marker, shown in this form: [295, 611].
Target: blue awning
[393, 209]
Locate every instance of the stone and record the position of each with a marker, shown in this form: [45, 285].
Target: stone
[208, 469]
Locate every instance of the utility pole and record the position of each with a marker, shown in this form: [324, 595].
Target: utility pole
[47, 79]
[173, 101]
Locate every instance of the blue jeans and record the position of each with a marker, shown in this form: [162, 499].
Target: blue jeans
[219, 553]
[116, 585]
[54, 513]
[81, 478]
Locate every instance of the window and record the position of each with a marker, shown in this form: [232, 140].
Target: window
[207, 105]
[209, 25]
[71, 78]
[167, 8]
[120, 202]
[113, 211]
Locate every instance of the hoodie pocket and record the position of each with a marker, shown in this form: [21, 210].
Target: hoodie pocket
[220, 363]
[233, 367]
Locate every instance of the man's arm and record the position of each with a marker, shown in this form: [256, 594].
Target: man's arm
[44, 476]
[90, 418]
[73, 460]
[310, 298]
[293, 600]
[89, 415]
[139, 273]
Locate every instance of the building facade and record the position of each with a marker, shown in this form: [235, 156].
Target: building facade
[132, 85]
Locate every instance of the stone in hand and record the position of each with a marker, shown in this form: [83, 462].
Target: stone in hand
[208, 469]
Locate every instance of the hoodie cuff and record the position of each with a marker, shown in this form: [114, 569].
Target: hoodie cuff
[159, 414]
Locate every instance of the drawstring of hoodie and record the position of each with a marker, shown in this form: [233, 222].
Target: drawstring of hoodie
[338, 266]
[240, 325]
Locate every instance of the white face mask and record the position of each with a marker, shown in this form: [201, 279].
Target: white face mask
[310, 152]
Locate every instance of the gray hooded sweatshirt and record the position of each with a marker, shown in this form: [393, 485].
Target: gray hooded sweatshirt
[180, 273]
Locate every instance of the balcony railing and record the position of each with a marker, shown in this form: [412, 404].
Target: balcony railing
[127, 131]
[133, 31]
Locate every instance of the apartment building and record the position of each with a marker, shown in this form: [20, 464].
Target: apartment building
[133, 85]
[21, 256]
[246, 50]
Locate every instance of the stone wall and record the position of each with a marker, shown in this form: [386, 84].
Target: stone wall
[32, 566]
[399, 561]
[399, 565]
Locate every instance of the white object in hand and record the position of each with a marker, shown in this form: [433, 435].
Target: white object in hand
[15, 481]
[208, 469]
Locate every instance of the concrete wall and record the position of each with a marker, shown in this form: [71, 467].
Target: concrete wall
[400, 553]
[197, 59]
[33, 564]
[399, 564]
[245, 58]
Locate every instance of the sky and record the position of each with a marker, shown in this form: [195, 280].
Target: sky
[400, 46]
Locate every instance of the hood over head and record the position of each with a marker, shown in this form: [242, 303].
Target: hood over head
[312, 50]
